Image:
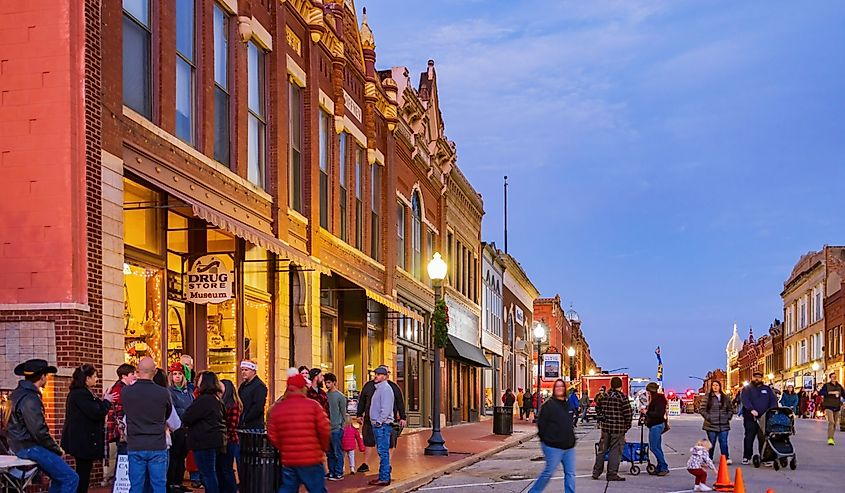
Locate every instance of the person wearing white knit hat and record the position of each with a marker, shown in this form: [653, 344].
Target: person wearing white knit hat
[253, 393]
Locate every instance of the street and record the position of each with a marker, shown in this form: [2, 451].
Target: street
[818, 464]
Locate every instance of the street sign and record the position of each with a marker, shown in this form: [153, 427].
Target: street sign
[551, 366]
[675, 407]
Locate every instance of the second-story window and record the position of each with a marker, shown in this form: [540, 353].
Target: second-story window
[325, 159]
[222, 151]
[137, 56]
[359, 197]
[256, 125]
[185, 70]
[295, 122]
[375, 209]
[342, 177]
[416, 233]
[400, 235]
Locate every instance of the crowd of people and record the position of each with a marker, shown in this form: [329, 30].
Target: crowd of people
[170, 422]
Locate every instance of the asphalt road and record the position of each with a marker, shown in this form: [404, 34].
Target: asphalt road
[820, 467]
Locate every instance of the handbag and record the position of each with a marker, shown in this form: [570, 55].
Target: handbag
[665, 422]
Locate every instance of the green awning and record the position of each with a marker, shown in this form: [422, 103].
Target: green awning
[457, 348]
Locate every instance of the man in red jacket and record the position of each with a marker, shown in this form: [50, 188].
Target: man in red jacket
[299, 428]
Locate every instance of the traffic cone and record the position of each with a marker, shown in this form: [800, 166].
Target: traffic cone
[723, 480]
[739, 484]
[770, 490]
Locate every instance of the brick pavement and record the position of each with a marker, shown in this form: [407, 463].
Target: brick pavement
[466, 443]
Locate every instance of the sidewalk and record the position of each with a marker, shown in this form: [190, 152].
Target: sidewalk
[467, 444]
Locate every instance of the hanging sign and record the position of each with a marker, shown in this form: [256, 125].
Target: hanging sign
[551, 366]
[209, 281]
[675, 407]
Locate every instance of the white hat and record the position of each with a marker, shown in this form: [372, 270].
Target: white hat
[249, 365]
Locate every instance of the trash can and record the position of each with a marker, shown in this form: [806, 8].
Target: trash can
[259, 469]
[502, 420]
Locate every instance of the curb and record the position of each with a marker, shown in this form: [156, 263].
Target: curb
[421, 480]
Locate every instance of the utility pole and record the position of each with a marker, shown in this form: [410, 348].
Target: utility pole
[506, 213]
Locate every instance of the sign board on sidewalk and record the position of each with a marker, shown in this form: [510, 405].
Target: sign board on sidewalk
[551, 366]
[675, 407]
[121, 475]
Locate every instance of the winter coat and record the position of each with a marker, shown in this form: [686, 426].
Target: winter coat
[299, 429]
[84, 429]
[758, 398]
[555, 424]
[790, 400]
[253, 394]
[508, 399]
[351, 439]
[832, 396]
[364, 408]
[699, 458]
[206, 423]
[717, 414]
[181, 398]
[655, 413]
[27, 425]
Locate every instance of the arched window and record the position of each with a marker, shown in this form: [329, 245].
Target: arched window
[416, 235]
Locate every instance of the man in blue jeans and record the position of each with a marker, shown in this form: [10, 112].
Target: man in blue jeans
[337, 418]
[29, 436]
[655, 419]
[146, 406]
[381, 417]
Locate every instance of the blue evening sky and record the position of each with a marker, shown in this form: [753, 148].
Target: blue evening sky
[669, 162]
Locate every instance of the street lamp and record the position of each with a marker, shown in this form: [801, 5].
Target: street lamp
[539, 334]
[771, 378]
[592, 371]
[815, 370]
[571, 353]
[436, 444]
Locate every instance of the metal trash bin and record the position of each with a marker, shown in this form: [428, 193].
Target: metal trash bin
[259, 469]
[502, 420]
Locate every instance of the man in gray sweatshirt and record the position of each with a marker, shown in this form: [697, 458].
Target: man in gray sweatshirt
[381, 417]
[337, 418]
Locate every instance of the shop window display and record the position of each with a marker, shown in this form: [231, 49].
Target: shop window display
[142, 227]
[257, 335]
[222, 329]
[142, 312]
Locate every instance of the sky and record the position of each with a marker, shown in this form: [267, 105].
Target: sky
[669, 162]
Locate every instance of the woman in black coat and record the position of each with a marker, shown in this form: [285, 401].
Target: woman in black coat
[205, 419]
[556, 427]
[83, 435]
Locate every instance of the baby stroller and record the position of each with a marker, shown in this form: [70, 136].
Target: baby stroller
[635, 453]
[777, 425]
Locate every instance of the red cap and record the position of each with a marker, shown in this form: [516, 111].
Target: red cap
[296, 382]
[176, 367]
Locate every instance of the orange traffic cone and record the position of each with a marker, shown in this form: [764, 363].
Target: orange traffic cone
[723, 480]
[739, 484]
[770, 490]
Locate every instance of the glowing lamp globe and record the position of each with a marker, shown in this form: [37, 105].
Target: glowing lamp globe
[571, 351]
[437, 268]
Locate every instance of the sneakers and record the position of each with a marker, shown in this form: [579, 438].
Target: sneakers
[729, 462]
[352, 472]
[332, 477]
[376, 482]
[364, 468]
[664, 472]
[702, 487]
[831, 442]
[615, 478]
[746, 462]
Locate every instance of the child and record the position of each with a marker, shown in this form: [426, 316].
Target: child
[351, 438]
[700, 456]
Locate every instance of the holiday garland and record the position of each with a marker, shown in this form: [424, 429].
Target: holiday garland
[440, 323]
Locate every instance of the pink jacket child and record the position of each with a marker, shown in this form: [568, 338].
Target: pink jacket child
[351, 438]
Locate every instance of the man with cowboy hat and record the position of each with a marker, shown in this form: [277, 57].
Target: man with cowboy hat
[29, 436]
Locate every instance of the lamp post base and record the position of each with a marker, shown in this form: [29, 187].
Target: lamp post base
[436, 444]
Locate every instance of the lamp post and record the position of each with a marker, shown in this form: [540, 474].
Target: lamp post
[539, 334]
[815, 370]
[436, 443]
[571, 353]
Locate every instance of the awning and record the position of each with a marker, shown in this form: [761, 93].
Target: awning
[255, 236]
[458, 348]
[392, 305]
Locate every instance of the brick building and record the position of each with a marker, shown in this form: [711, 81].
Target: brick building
[492, 324]
[549, 313]
[223, 179]
[834, 308]
[518, 297]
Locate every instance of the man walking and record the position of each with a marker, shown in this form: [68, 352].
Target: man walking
[337, 419]
[147, 407]
[115, 426]
[364, 409]
[519, 401]
[381, 417]
[574, 405]
[655, 420]
[299, 429]
[585, 404]
[253, 394]
[832, 393]
[527, 399]
[29, 436]
[615, 413]
[757, 398]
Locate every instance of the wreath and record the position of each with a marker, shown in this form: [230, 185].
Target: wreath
[440, 323]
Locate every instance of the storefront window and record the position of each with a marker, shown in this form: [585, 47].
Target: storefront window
[142, 297]
[400, 370]
[256, 268]
[413, 366]
[327, 344]
[257, 335]
[221, 327]
[175, 330]
[374, 343]
[141, 223]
